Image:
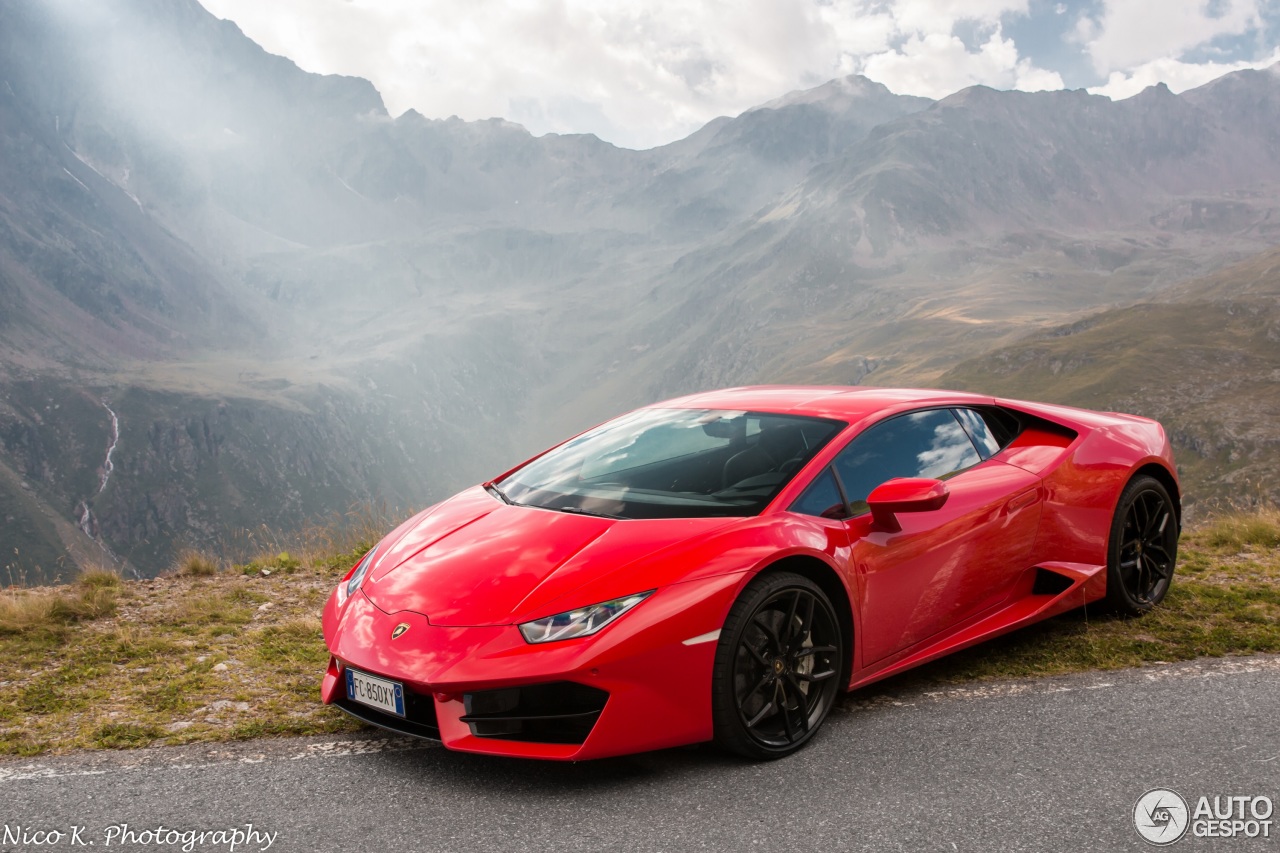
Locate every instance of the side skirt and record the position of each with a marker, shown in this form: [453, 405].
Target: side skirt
[1058, 587]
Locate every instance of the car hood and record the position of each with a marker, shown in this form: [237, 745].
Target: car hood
[474, 561]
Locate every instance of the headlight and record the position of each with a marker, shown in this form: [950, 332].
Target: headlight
[581, 622]
[357, 577]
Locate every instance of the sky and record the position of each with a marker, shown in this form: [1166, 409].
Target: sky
[641, 73]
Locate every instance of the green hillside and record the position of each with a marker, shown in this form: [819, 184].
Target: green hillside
[1207, 366]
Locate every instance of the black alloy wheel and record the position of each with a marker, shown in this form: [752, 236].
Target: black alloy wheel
[777, 669]
[1143, 547]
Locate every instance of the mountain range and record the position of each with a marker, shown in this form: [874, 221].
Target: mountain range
[272, 300]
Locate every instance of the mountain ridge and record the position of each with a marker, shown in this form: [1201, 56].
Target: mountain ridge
[190, 225]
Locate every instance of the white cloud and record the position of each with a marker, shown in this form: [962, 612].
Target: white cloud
[927, 17]
[937, 65]
[1137, 48]
[636, 72]
[646, 70]
[1029, 78]
[911, 47]
[1178, 76]
[1130, 33]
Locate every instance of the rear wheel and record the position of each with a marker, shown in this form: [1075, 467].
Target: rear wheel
[777, 667]
[1143, 547]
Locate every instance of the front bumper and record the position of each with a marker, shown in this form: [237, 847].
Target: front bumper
[637, 685]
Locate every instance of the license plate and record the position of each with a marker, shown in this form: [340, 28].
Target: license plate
[380, 693]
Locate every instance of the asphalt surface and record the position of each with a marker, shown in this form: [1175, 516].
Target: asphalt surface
[1045, 765]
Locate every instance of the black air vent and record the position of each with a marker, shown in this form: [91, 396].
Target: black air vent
[1050, 583]
[559, 712]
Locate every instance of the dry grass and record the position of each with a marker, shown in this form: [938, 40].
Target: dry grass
[194, 564]
[180, 659]
[346, 539]
[99, 578]
[238, 654]
[52, 610]
[340, 540]
[1240, 529]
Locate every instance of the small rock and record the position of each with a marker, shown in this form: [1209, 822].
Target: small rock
[179, 726]
[220, 667]
[267, 606]
[202, 658]
[266, 572]
[224, 705]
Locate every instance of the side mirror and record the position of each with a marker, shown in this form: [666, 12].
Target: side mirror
[905, 494]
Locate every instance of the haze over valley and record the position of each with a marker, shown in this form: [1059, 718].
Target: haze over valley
[272, 301]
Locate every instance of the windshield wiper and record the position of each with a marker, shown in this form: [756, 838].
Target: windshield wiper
[577, 510]
[495, 491]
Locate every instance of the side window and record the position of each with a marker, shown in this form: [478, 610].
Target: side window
[822, 498]
[922, 444]
[974, 424]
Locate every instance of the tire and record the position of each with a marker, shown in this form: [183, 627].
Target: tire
[1143, 547]
[777, 667]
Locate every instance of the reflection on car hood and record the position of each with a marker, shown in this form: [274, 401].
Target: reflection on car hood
[476, 561]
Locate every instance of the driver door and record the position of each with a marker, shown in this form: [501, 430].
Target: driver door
[943, 566]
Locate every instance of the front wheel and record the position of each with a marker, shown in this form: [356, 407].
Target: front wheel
[1143, 547]
[777, 667]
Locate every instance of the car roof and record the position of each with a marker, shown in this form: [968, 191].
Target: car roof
[839, 402]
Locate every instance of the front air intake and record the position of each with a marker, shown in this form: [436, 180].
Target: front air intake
[559, 712]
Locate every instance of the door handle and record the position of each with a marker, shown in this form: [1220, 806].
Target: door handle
[1025, 499]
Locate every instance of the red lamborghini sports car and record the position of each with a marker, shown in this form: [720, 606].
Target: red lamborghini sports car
[721, 566]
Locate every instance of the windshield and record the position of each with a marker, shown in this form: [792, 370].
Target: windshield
[672, 463]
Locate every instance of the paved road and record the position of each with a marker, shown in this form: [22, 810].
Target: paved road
[1051, 764]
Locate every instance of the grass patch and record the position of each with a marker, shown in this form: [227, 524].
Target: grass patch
[1197, 619]
[1238, 530]
[99, 579]
[51, 611]
[282, 562]
[115, 735]
[297, 640]
[189, 657]
[175, 696]
[193, 564]
[201, 656]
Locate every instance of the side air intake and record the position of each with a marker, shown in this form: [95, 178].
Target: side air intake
[1050, 583]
